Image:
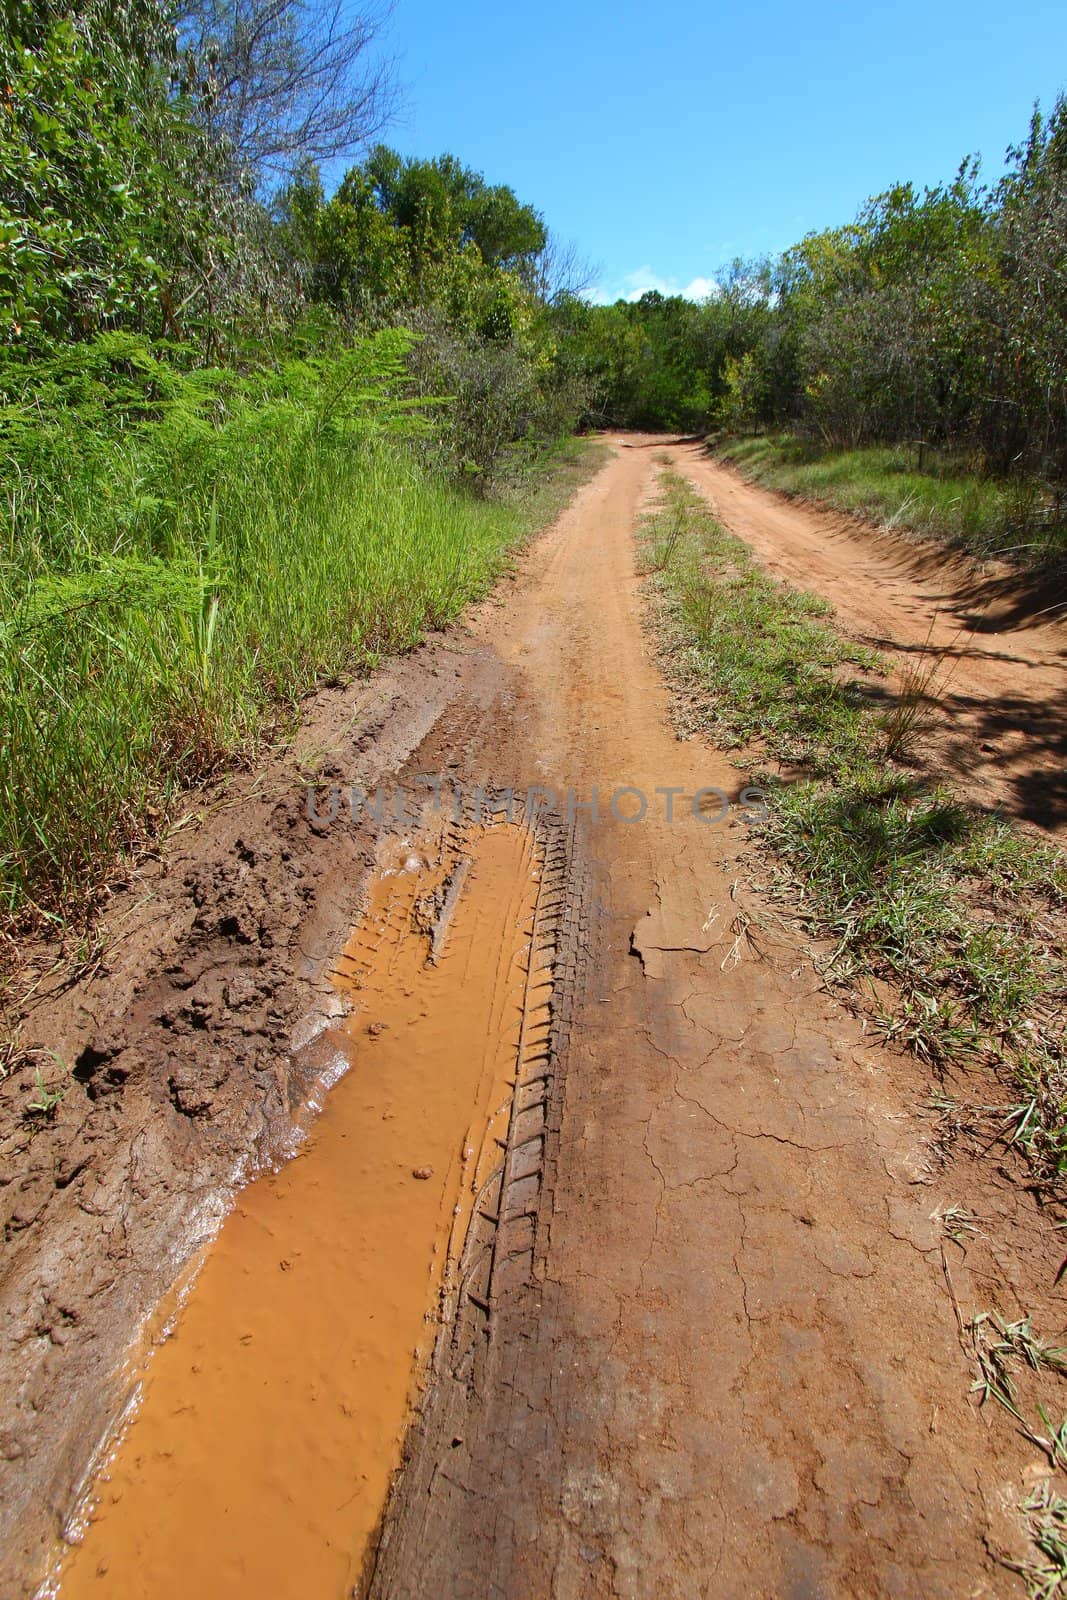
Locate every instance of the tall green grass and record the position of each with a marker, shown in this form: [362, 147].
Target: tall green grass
[184, 557]
[883, 485]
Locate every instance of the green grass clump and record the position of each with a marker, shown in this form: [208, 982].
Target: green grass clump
[1045, 1512]
[185, 556]
[765, 661]
[957, 913]
[883, 485]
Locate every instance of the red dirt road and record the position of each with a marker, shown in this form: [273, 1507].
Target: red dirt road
[735, 1371]
[716, 1351]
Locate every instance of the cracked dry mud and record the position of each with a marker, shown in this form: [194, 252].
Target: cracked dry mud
[702, 1343]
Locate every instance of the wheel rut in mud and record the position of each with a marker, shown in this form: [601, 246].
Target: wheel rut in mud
[272, 1410]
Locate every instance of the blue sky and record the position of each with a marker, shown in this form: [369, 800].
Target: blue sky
[664, 139]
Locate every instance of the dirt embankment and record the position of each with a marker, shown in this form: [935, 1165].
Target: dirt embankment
[985, 636]
[721, 1355]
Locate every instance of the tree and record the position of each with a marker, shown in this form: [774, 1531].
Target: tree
[445, 206]
[280, 82]
[1027, 308]
[101, 175]
[402, 232]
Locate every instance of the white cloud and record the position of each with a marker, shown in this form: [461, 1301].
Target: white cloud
[632, 285]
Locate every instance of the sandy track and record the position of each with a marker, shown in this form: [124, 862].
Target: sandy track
[1002, 678]
[720, 1357]
[735, 1370]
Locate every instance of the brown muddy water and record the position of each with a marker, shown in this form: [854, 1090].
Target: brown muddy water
[271, 1417]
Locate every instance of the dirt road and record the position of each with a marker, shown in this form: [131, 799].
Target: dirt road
[991, 636]
[736, 1369]
[717, 1353]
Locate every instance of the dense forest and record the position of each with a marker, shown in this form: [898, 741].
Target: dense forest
[254, 433]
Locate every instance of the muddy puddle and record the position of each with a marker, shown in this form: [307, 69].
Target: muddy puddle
[271, 1418]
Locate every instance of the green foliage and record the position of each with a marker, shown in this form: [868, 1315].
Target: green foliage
[43, 1101]
[664, 362]
[403, 232]
[940, 317]
[222, 452]
[741, 391]
[116, 209]
[75, 200]
[431, 244]
[186, 555]
[937, 319]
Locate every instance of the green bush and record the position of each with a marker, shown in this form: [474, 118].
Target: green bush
[191, 565]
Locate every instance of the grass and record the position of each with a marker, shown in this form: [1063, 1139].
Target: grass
[1000, 1348]
[1046, 1517]
[175, 577]
[1002, 1352]
[949, 921]
[883, 485]
[769, 664]
[957, 1223]
[43, 1100]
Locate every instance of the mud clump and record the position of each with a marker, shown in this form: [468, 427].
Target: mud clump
[175, 1081]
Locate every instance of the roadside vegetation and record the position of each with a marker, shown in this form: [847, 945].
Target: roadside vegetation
[946, 922]
[897, 487]
[251, 437]
[168, 589]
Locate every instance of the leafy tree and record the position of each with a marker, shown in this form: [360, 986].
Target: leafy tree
[95, 158]
[445, 206]
[402, 232]
[1025, 304]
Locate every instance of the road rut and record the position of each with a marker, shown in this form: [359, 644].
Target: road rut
[991, 637]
